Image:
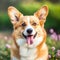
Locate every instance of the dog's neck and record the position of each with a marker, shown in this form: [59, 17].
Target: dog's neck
[27, 53]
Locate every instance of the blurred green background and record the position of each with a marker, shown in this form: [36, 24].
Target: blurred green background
[28, 7]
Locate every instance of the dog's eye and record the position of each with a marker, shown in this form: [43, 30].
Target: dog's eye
[23, 24]
[34, 24]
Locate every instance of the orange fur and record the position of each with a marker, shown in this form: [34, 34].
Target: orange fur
[18, 19]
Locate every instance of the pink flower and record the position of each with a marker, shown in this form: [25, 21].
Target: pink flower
[58, 50]
[58, 36]
[8, 46]
[54, 36]
[5, 37]
[58, 53]
[49, 56]
[51, 31]
[53, 48]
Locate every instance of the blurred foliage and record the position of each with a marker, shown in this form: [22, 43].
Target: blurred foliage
[29, 8]
[53, 48]
[55, 1]
[4, 21]
[4, 51]
[53, 19]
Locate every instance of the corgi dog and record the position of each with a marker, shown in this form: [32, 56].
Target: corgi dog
[29, 35]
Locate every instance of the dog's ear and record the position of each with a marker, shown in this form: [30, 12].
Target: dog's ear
[42, 14]
[14, 14]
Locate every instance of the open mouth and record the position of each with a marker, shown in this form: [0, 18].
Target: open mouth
[29, 38]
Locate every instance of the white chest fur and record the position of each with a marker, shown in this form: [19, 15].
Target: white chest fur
[27, 53]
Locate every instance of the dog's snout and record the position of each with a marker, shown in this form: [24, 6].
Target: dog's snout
[29, 31]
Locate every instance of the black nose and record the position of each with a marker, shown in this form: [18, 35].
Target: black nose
[29, 31]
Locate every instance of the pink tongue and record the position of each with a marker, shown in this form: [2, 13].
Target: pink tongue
[30, 40]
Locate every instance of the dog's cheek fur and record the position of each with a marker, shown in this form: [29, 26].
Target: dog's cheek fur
[39, 30]
[18, 33]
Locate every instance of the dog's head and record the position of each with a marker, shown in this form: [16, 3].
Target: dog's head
[28, 30]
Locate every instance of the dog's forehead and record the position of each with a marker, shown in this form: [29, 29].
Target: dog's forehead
[29, 18]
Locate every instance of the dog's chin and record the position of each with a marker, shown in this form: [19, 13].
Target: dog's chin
[29, 38]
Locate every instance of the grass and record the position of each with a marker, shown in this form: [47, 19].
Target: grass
[53, 47]
[4, 52]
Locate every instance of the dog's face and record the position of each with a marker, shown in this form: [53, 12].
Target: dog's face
[28, 30]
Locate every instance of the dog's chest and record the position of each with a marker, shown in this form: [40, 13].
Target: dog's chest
[27, 53]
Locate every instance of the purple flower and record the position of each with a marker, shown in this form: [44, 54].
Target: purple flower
[58, 50]
[53, 48]
[58, 53]
[5, 37]
[51, 31]
[49, 56]
[8, 46]
[54, 36]
[58, 36]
